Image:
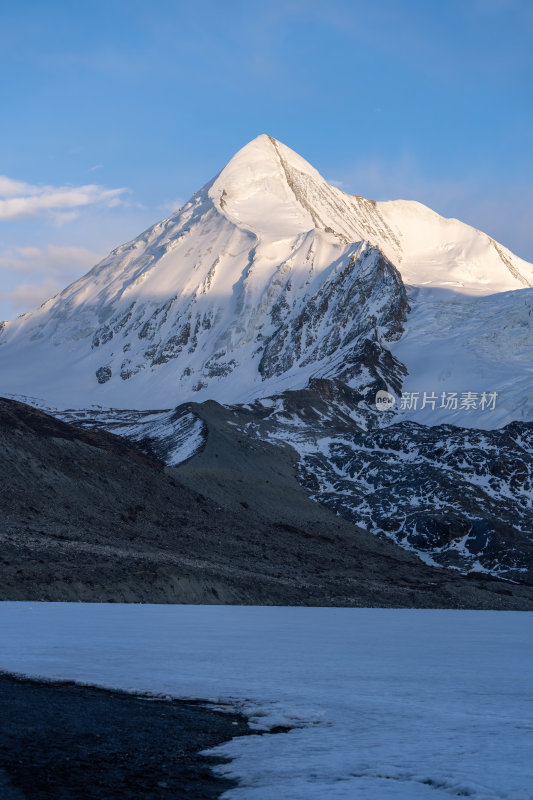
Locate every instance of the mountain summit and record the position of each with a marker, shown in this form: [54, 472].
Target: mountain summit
[270, 190]
[268, 277]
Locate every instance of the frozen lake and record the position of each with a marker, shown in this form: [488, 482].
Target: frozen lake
[387, 703]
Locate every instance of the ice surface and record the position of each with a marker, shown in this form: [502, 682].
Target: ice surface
[386, 703]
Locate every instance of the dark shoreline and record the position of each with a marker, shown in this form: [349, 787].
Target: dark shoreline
[64, 741]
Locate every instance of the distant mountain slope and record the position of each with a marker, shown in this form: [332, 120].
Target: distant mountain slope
[86, 516]
[457, 497]
[445, 253]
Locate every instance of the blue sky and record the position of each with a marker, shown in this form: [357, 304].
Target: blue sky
[114, 112]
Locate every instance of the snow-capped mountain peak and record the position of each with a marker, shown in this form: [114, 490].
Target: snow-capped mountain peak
[270, 190]
[254, 189]
[266, 278]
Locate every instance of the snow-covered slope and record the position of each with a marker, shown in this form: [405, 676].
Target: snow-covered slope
[266, 278]
[447, 254]
[455, 344]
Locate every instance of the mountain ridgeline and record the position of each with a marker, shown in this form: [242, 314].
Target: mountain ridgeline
[287, 304]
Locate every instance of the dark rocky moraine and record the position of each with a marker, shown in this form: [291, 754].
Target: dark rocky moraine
[60, 741]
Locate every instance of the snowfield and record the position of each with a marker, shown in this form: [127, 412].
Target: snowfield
[455, 342]
[384, 703]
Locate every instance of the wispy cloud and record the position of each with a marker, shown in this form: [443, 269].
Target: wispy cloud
[19, 199]
[338, 184]
[50, 260]
[34, 274]
[27, 296]
[172, 206]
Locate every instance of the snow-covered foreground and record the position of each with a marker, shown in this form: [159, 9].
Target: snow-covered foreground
[387, 703]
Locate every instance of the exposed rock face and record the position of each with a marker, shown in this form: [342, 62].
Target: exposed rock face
[462, 497]
[346, 323]
[103, 374]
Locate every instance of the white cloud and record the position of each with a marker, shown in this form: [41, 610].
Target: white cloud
[19, 199]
